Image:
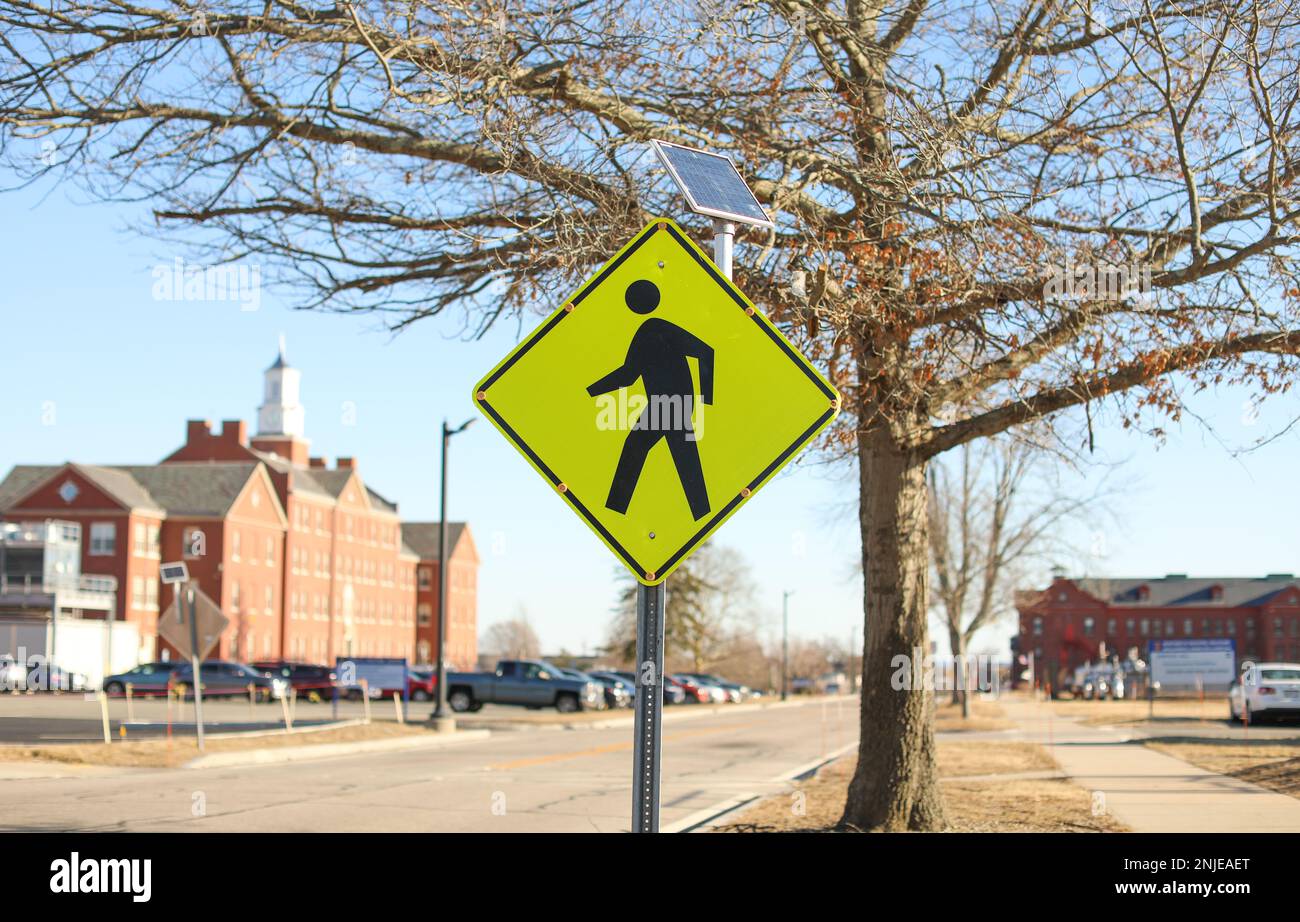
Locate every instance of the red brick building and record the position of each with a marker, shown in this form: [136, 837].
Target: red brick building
[462, 592]
[1074, 621]
[307, 561]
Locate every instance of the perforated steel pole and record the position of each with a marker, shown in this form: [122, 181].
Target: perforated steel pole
[650, 602]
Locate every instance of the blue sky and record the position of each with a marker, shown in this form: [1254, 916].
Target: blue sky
[98, 371]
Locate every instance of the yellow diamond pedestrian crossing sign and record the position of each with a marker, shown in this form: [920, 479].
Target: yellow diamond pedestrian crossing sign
[657, 400]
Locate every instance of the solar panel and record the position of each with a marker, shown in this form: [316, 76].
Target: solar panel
[711, 183]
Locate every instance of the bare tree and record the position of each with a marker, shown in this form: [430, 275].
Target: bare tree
[993, 510]
[955, 187]
[709, 594]
[513, 639]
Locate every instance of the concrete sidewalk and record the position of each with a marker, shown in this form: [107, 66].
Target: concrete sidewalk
[1147, 790]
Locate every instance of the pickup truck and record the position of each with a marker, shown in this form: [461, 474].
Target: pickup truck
[525, 682]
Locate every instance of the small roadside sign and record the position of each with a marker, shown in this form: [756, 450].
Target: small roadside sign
[209, 623]
[657, 400]
[1194, 661]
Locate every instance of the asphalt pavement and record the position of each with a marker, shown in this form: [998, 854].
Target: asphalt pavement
[566, 780]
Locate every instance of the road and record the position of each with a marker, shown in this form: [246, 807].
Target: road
[541, 780]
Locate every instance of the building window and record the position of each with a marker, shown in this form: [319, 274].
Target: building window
[1129, 626]
[1146, 626]
[103, 539]
[148, 541]
[1277, 627]
[270, 551]
[144, 593]
[234, 597]
[1111, 627]
[1038, 623]
[426, 579]
[1088, 625]
[234, 545]
[266, 597]
[425, 613]
[1188, 627]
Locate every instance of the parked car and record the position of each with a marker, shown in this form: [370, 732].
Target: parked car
[717, 694]
[527, 683]
[421, 683]
[222, 678]
[1101, 684]
[1270, 690]
[673, 694]
[736, 692]
[693, 693]
[620, 690]
[581, 676]
[311, 681]
[145, 679]
[46, 677]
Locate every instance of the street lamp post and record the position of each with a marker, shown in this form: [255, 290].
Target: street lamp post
[440, 709]
[785, 643]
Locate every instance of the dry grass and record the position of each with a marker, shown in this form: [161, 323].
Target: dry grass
[984, 715]
[164, 754]
[1013, 804]
[1270, 764]
[962, 759]
[1112, 713]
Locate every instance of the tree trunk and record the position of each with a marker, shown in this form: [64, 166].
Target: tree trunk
[955, 645]
[963, 679]
[895, 786]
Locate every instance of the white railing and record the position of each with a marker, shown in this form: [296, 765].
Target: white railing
[35, 585]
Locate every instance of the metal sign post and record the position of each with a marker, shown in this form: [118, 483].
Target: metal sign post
[649, 707]
[188, 602]
[178, 575]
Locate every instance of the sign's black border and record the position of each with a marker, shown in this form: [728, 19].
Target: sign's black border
[831, 396]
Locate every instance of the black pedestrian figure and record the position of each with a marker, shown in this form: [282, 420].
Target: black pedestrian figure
[658, 356]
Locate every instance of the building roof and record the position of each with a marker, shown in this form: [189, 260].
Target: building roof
[194, 489]
[422, 537]
[304, 480]
[331, 481]
[113, 481]
[379, 502]
[280, 360]
[199, 488]
[1176, 589]
[22, 479]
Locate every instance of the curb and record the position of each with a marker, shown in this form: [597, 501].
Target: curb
[331, 750]
[717, 814]
[678, 712]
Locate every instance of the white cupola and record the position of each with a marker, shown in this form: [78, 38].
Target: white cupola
[280, 412]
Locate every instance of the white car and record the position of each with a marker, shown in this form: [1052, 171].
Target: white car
[1266, 690]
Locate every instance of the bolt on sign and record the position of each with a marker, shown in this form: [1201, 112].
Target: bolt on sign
[657, 400]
